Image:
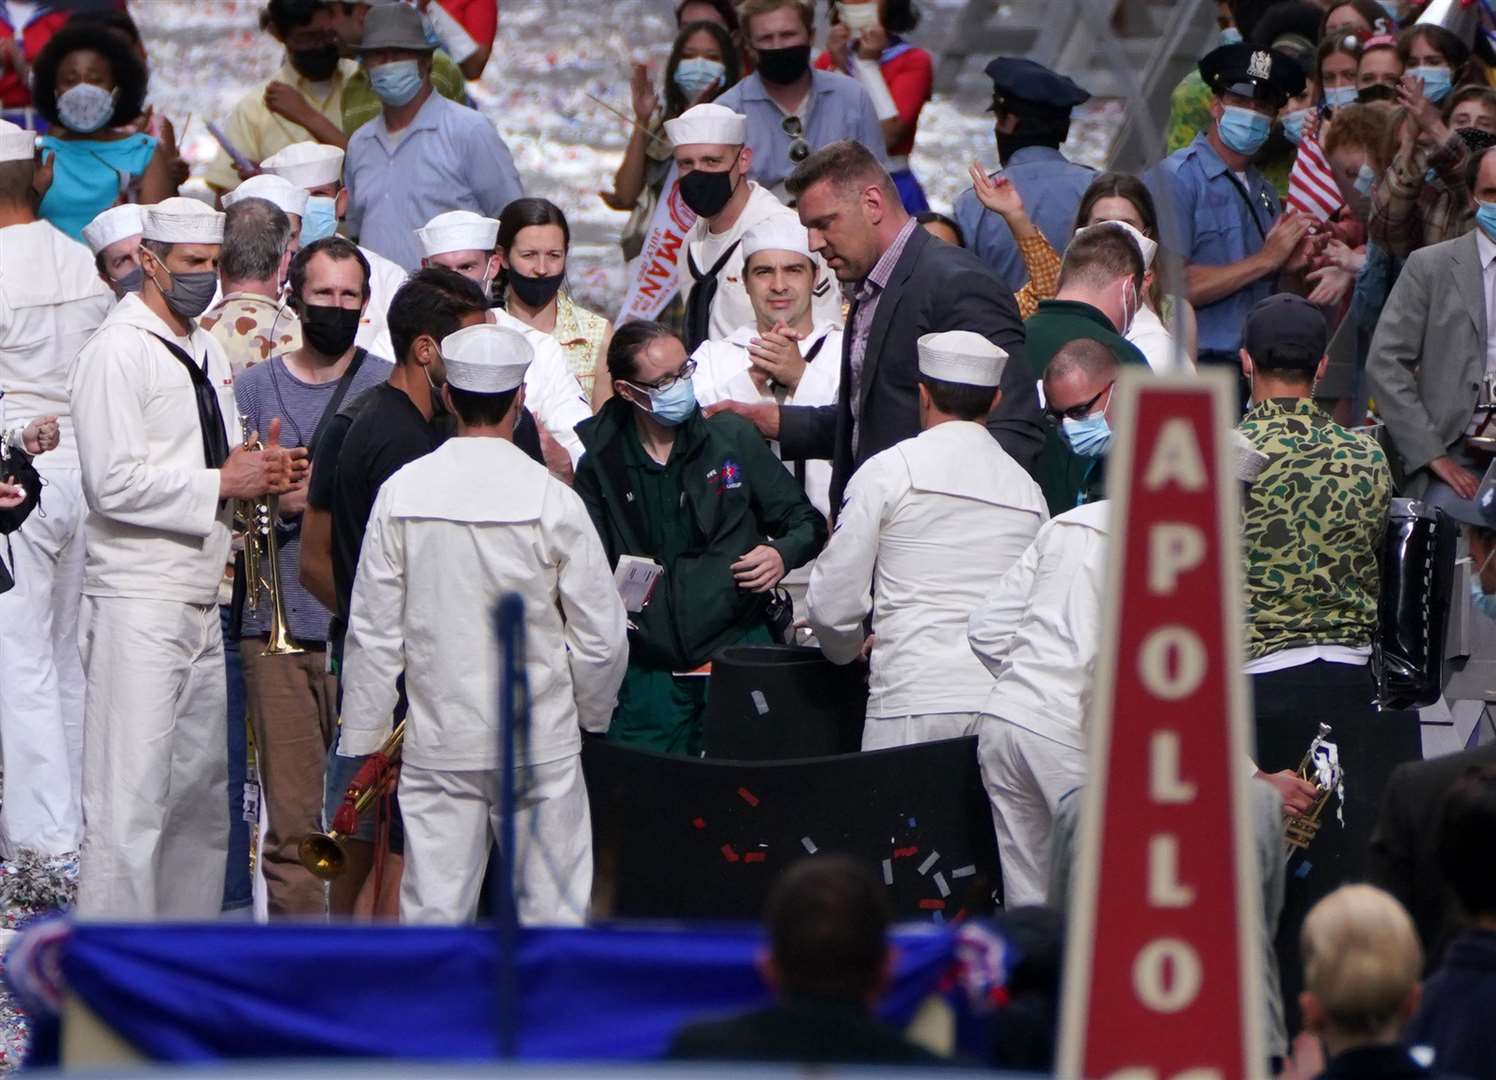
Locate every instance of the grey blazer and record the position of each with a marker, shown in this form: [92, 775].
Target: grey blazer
[1429, 353]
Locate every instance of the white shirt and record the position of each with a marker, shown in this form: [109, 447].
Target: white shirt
[385, 279]
[51, 302]
[440, 552]
[927, 524]
[552, 392]
[155, 527]
[1156, 344]
[722, 374]
[731, 307]
[1039, 631]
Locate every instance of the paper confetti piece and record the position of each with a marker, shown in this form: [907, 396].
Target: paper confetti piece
[754, 856]
[760, 702]
[913, 822]
[747, 796]
[932, 905]
[887, 872]
[938, 917]
[964, 871]
[945, 890]
[729, 854]
[924, 867]
[698, 823]
[905, 852]
[809, 845]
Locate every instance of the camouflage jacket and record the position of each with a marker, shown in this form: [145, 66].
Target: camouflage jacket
[1311, 528]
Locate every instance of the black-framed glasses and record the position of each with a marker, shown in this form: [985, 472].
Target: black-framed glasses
[1054, 417]
[795, 129]
[660, 385]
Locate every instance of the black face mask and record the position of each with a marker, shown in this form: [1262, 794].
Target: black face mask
[316, 64]
[1475, 139]
[329, 330]
[783, 66]
[537, 291]
[706, 193]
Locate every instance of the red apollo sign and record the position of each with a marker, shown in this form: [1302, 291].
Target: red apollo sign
[1162, 975]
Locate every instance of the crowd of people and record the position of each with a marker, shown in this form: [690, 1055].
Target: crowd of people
[275, 449]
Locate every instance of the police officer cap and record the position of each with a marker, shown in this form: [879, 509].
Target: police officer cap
[1022, 86]
[1268, 75]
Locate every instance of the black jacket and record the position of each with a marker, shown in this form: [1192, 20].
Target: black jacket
[1402, 858]
[740, 496]
[16, 468]
[1376, 1063]
[819, 1031]
[1454, 1018]
[934, 287]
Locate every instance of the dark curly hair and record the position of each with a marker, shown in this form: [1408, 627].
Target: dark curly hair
[129, 73]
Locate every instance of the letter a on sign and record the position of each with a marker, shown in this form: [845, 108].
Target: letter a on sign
[1161, 974]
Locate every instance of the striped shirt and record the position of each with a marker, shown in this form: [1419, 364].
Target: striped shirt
[866, 306]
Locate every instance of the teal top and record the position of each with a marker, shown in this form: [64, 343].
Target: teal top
[89, 176]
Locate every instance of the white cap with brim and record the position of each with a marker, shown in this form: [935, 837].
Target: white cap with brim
[273, 189]
[16, 143]
[180, 220]
[458, 230]
[114, 225]
[486, 359]
[1146, 247]
[306, 164]
[782, 232]
[960, 356]
[708, 124]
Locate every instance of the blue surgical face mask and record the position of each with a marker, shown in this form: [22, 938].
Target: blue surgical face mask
[1485, 217]
[1340, 95]
[397, 82]
[1484, 602]
[1231, 36]
[1293, 124]
[1244, 130]
[696, 73]
[1089, 437]
[1365, 180]
[1437, 81]
[319, 220]
[671, 407]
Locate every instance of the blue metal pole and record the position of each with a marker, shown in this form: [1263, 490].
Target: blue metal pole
[514, 718]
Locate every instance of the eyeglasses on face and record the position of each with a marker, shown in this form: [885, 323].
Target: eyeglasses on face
[1054, 417]
[686, 371]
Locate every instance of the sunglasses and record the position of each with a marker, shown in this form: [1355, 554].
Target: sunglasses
[795, 129]
[1054, 417]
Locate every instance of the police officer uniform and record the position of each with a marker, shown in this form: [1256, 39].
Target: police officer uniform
[1051, 186]
[1213, 216]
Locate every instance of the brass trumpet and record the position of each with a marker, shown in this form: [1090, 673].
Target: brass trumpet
[322, 853]
[262, 560]
[1321, 767]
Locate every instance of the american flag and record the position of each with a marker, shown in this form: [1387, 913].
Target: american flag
[1311, 186]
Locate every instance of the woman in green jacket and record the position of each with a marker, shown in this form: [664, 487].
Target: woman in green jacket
[706, 500]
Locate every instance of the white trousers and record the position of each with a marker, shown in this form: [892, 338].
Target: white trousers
[452, 821]
[41, 676]
[887, 732]
[1026, 775]
[155, 760]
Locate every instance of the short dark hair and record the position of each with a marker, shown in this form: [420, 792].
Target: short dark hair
[336, 248]
[129, 73]
[283, 16]
[432, 303]
[935, 217]
[255, 235]
[847, 165]
[1100, 256]
[524, 213]
[481, 409]
[827, 918]
[15, 181]
[1466, 841]
[1083, 354]
[629, 340]
[726, 8]
[961, 400]
[1486, 95]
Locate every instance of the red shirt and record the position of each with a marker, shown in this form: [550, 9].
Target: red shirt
[480, 18]
[910, 76]
[14, 91]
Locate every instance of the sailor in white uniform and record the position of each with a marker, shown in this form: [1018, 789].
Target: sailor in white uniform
[439, 554]
[114, 238]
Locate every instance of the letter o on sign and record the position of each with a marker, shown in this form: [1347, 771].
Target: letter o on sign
[1171, 662]
[1166, 975]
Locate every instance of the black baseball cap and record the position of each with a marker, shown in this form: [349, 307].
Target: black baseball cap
[1286, 332]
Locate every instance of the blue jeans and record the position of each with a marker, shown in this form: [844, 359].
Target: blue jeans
[238, 890]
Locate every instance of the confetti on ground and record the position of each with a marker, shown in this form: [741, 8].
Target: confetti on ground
[760, 702]
[913, 823]
[698, 823]
[945, 890]
[888, 871]
[964, 871]
[924, 867]
[931, 905]
[809, 845]
[729, 854]
[747, 796]
[754, 856]
[905, 852]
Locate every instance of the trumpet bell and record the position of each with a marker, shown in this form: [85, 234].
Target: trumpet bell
[321, 854]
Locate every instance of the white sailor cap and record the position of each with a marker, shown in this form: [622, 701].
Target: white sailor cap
[306, 164]
[486, 359]
[273, 189]
[708, 123]
[16, 143]
[180, 220]
[114, 225]
[458, 230]
[782, 232]
[1146, 247]
[960, 356]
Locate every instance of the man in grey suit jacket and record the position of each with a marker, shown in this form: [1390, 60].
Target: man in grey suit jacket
[910, 284]
[1430, 354]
